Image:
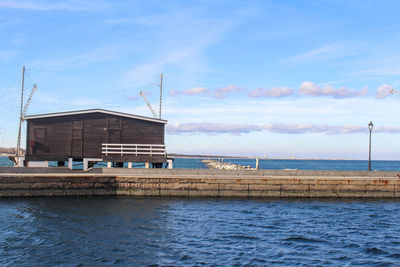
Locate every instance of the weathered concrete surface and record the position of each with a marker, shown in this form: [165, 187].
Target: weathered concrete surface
[27, 185]
[202, 183]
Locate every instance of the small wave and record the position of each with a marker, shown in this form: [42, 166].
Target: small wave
[303, 239]
[271, 226]
[242, 237]
[247, 212]
[118, 261]
[186, 257]
[395, 255]
[375, 251]
[352, 245]
[258, 261]
[342, 258]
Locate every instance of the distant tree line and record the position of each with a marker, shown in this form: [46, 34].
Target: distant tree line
[8, 150]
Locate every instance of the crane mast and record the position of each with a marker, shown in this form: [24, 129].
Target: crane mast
[393, 91]
[148, 104]
[29, 101]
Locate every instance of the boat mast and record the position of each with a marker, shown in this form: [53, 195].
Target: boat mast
[21, 114]
[160, 94]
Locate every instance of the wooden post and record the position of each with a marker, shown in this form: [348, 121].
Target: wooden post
[70, 163]
[257, 163]
[147, 165]
[130, 165]
[170, 163]
[85, 164]
[109, 164]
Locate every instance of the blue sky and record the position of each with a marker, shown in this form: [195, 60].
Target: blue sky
[281, 78]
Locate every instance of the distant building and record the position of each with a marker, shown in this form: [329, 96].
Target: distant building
[94, 135]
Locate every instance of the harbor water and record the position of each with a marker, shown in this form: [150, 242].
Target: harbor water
[337, 165]
[106, 231]
[128, 231]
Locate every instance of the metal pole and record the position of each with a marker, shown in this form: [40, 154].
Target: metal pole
[369, 158]
[160, 94]
[20, 114]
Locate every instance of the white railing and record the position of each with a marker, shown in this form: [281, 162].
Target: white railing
[133, 149]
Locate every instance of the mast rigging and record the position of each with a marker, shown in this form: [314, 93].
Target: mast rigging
[148, 104]
[17, 152]
[23, 110]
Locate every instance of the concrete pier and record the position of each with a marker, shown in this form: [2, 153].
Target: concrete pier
[17, 182]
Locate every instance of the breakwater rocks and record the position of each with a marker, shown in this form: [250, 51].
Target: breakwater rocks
[220, 165]
[201, 183]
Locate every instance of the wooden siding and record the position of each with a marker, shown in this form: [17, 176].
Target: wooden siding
[80, 136]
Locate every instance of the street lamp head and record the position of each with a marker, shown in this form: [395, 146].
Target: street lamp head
[370, 125]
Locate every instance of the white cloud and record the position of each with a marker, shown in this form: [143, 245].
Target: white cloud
[190, 92]
[387, 129]
[218, 93]
[211, 128]
[309, 88]
[312, 89]
[276, 128]
[312, 128]
[306, 88]
[196, 91]
[384, 90]
[273, 93]
[288, 128]
[333, 130]
[222, 92]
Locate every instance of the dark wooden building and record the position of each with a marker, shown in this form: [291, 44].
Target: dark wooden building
[95, 134]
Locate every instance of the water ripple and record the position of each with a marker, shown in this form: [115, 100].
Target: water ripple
[160, 232]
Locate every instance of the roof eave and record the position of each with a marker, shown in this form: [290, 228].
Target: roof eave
[87, 111]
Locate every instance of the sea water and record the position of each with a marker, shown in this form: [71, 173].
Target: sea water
[344, 165]
[126, 231]
[123, 231]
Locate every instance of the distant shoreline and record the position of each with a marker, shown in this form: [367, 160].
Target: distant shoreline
[183, 156]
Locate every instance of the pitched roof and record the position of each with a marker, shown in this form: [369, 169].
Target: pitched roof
[97, 110]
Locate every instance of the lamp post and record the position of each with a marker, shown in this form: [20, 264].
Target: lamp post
[370, 126]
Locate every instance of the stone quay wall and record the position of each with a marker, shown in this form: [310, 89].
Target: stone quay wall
[18, 182]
